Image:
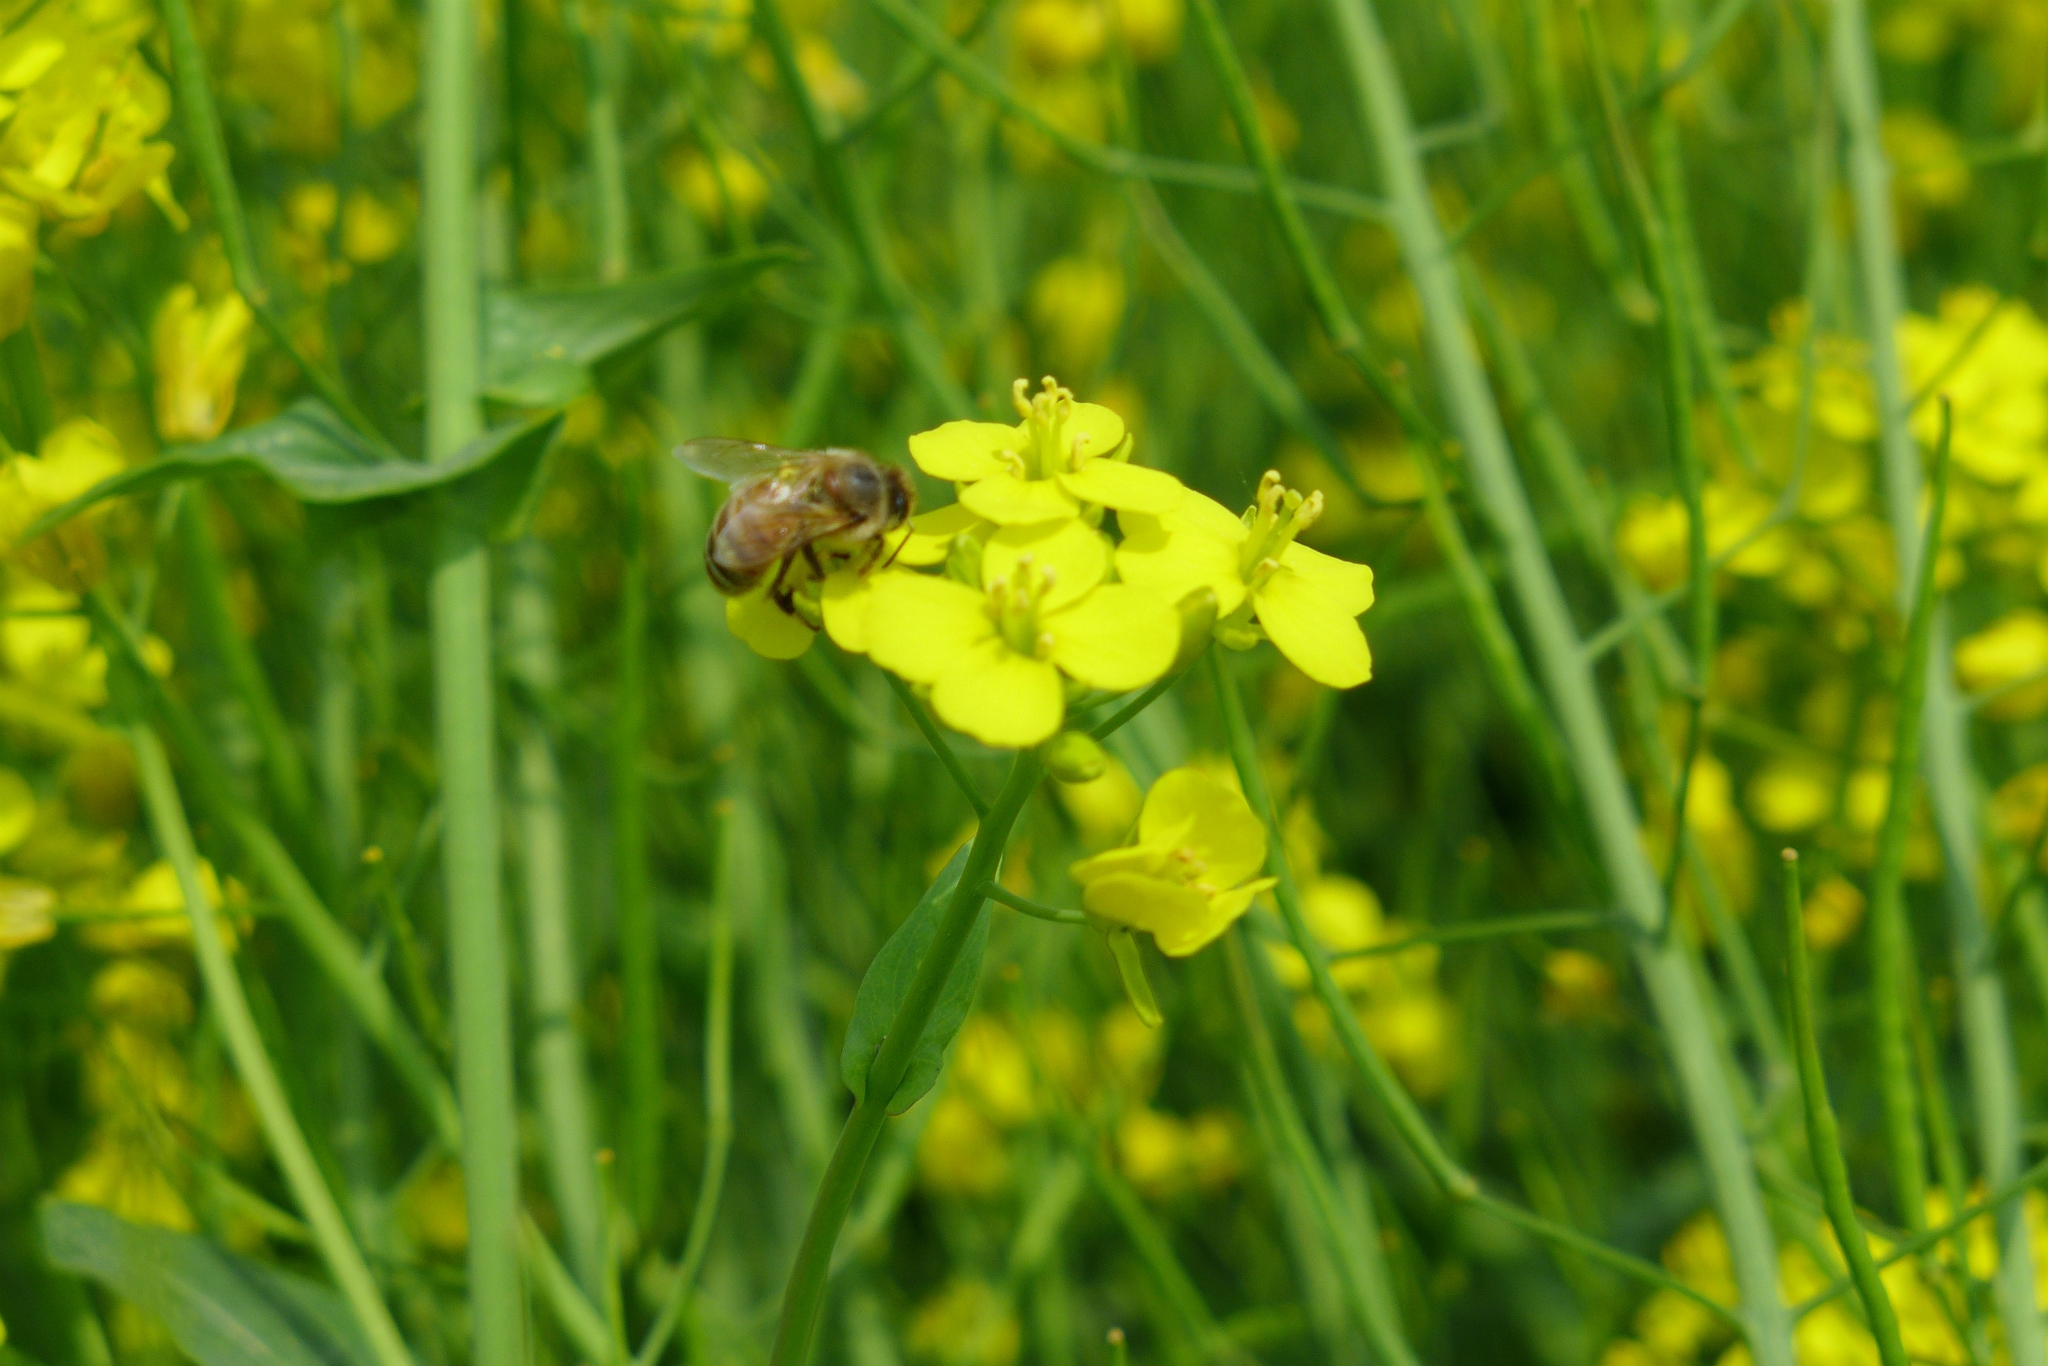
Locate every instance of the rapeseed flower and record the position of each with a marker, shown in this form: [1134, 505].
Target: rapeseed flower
[77, 455]
[1062, 457]
[1191, 871]
[198, 351]
[997, 657]
[1307, 603]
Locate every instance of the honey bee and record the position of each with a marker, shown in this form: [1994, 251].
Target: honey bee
[787, 505]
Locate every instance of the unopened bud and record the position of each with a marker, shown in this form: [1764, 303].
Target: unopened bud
[1074, 756]
[1197, 624]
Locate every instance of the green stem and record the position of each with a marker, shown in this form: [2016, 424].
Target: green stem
[1130, 710]
[1823, 1138]
[1359, 1262]
[464, 690]
[1542, 922]
[717, 1095]
[940, 745]
[25, 377]
[1190, 1313]
[1981, 1006]
[1890, 932]
[639, 948]
[553, 964]
[252, 1063]
[1038, 910]
[803, 1295]
[282, 763]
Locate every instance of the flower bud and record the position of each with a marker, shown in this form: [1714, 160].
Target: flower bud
[1074, 757]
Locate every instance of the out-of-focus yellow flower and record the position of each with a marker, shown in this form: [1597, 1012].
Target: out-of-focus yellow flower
[1833, 911]
[1653, 538]
[74, 457]
[1192, 871]
[996, 656]
[1788, 795]
[47, 644]
[143, 995]
[153, 911]
[1129, 1051]
[990, 1066]
[2020, 807]
[1076, 305]
[969, 1323]
[286, 57]
[961, 1152]
[1164, 1155]
[18, 222]
[836, 87]
[1150, 28]
[1102, 809]
[719, 26]
[1844, 401]
[1928, 170]
[707, 185]
[1990, 356]
[372, 229]
[435, 1211]
[1577, 987]
[120, 1172]
[25, 917]
[17, 809]
[1344, 915]
[2009, 650]
[1058, 35]
[198, 352]
[1063, 456]
[1307, 603]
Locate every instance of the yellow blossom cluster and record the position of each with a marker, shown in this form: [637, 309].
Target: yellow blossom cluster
[1669, 1329]
[1035, 604]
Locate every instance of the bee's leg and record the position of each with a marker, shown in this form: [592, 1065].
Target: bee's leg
[892, 554]
[777, 591]
[811, 558]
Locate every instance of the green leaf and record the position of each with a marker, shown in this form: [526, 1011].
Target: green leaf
[319, 460]
[889, 977]
[221, 1309]
[540, 345]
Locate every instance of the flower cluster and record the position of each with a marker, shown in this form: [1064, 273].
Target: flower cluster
[1034, 602]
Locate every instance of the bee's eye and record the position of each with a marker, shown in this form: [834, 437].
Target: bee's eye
[859, 483]
[899, 500]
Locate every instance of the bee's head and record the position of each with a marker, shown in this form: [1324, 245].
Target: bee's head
[902, 495]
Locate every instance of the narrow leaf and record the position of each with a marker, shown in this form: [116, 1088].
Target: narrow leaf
[221, 1309]
[317, 459]
[889, 977]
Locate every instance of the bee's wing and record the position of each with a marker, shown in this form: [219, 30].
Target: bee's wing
[730, 459]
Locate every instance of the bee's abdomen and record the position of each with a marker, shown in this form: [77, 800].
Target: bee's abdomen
[726, 578]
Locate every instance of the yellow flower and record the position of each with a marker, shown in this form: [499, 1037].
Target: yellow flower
[1577, 986]
[995, 657]
[707, 186]
[1151, 28]
[969, 1323]
[77, 455]
[1103, 808]
[1192, 870]
[1790, 795]
[1076, 305]
[25, 917]
[198, 352]
[961, 1152]
[1832, 912]
[1306, 602]
[2009, 650]
[371, 229]
[1991, 358]
[1061, 456]
[18, 221]
[436, 1212]
[1057, 35]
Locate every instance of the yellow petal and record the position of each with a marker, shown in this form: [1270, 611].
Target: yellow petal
[919, 626]
[1173, 561]
[1072, 551]
[1198, 812]
[1000, 697]
[1094, 430]
[932, 533]
[844, 603]
[1152, 904]
[963, 451]
[1118, 637]
[1138, 859]
[1134, 488]
[1309, 608]
[1193, 933]
[768, 630]
[1007, 500]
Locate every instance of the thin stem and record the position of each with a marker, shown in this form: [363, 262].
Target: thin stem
[553, 964]
[717, 1094]
[1038, 910]
[1890, 934]
[1824, 1139]
[941, 746]
[639, 949]
[1359, 1263]
[1190, 1314]
[1951, 784]
[1130, 710]
[1542, 922]
[578, 1317]
[252, 1063]
[465, 690]
[803, 1295]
